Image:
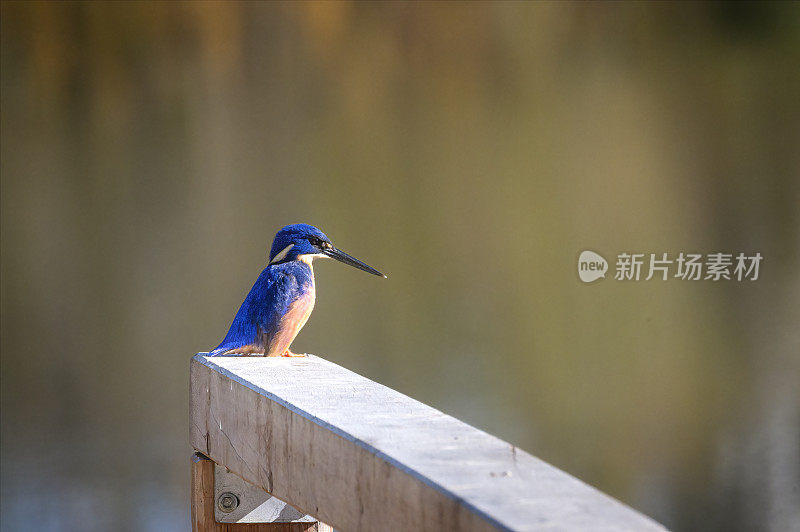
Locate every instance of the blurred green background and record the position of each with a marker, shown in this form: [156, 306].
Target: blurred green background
[471, 151]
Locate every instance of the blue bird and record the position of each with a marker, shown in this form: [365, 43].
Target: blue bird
[282, 298]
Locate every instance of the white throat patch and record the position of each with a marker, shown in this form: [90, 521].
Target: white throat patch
[282, 255]
[309, 257]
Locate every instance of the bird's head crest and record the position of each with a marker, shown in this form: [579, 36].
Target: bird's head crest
[306, 242]
[297, 239]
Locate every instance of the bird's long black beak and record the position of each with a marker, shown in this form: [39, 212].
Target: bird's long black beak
[341, 256]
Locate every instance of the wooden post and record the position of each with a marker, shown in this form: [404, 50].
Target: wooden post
[202, 503]
[202, 495]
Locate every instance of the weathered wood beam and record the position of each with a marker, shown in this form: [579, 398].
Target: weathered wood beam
[362, 457]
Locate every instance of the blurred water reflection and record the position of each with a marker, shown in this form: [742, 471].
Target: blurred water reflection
[151, 150]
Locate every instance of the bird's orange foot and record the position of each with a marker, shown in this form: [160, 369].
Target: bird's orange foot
[290, 354]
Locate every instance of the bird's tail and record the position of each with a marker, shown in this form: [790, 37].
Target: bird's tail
[219, 351]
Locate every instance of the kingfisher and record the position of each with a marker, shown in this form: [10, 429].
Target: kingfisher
[283, 296]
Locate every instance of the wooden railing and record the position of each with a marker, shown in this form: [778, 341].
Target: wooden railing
[349, 452]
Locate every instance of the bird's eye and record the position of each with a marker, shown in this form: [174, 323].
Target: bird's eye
[315, 241]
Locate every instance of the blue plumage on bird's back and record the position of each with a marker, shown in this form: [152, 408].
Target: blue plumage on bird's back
[261, 329]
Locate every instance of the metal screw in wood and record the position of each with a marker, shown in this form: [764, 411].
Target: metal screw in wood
[227, 502]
